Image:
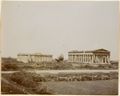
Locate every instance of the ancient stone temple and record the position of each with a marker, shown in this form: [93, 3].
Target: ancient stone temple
[36, 58]
[99, 56]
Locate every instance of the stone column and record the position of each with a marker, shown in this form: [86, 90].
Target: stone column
[73, 58]
[102, 59]
[93, 58]
[108, 59]
[85, 58]
[90, 61]
[96, 58]
[69, 57]
[88, 58]
[46, 58]
[42, 59]
[82, 58]
[105, 59]
[77, 58]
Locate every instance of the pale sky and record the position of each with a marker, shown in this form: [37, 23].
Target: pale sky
[58, 27]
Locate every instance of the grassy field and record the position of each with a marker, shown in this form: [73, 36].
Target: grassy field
[104, 87]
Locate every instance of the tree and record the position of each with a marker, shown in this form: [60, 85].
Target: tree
[60, 58]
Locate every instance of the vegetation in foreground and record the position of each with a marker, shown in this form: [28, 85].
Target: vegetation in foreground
[21, 83]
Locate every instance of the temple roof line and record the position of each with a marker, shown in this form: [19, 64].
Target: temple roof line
[34, 54]
[89, 51]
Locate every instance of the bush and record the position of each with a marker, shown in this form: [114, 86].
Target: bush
[9, 64]
[25, 81]
[6, 67]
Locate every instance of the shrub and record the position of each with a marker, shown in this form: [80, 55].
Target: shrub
[8, 66]
[25, 80]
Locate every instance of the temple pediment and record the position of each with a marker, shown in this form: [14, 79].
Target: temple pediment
[101, 50]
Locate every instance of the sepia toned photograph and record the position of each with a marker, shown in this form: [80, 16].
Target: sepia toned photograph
[59, 47]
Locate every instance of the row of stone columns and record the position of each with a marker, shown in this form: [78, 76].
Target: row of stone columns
[41, 58]
[102, 59]
[91, 58]
[81, 58]
[35, 58]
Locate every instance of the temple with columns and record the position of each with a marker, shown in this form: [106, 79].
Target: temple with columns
[36, 57]
[99, 56]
